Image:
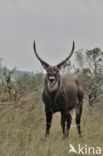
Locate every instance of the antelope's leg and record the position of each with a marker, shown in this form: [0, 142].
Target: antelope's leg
[69, 120]
[78, 119]
[63, 121]
[48, 122]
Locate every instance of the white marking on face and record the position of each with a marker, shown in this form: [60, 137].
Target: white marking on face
[51, 79]
[52, 86]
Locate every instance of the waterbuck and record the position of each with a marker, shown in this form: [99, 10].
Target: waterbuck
[61, 94]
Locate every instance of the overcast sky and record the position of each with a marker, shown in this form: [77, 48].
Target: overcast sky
[54, 24]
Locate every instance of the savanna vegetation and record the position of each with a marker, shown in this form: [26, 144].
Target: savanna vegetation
[22, 117]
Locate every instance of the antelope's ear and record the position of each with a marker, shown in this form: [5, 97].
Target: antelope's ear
[44, 65]
[66, 64]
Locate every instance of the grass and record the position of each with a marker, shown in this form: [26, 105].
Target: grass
[22, 126]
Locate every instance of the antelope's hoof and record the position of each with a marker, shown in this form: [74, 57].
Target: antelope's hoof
[65, 136]
[80, 136]
[46, 136]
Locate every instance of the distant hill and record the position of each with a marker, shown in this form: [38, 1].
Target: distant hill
[16, 74]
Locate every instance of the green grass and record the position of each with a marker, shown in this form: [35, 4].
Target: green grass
[22, 127]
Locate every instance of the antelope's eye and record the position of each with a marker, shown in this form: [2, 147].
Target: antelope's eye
[57, 71]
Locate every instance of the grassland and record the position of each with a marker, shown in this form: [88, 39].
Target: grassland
[22, 126]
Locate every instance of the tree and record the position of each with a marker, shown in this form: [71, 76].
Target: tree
[7, 83]
[90, 70]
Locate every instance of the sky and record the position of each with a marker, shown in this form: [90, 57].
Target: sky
[53, 24]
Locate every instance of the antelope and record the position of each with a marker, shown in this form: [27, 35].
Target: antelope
[61, 94]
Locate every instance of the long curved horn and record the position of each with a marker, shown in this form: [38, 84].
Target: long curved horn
[68, 57]
[44, 64]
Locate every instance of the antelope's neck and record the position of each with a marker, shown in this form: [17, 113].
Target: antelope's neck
[56, 87]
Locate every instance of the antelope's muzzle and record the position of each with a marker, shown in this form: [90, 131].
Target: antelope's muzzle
[52, 79]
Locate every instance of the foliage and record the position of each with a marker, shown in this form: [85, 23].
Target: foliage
[11, 88]
[8, 89]
[90, 71]
[27, 83]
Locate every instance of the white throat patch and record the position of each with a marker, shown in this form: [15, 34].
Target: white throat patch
[52, 87]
